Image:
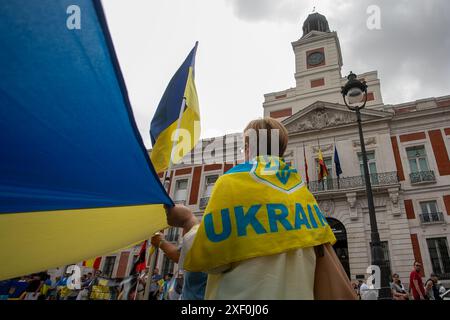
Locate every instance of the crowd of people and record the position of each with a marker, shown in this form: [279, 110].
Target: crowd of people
[40, 286]
[417, 290]
[258, 260]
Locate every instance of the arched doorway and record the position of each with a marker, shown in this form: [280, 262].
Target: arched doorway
[341, 246]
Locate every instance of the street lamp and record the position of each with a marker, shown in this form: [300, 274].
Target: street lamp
[354, 94]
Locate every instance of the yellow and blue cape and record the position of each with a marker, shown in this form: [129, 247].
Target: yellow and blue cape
[76, 181]
[258, 208]
[165, 121]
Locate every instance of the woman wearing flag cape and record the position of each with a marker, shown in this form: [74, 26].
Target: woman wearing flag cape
[262, 235]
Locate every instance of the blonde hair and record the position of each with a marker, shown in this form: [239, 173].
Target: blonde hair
[269, 124]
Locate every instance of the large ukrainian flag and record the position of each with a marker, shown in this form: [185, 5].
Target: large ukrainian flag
[178, 109]
[76, 181]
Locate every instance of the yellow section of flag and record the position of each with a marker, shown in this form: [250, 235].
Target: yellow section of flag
[277, 214]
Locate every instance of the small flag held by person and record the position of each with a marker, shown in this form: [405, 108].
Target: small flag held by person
[177, 118]
[139, 263]
[323, 171]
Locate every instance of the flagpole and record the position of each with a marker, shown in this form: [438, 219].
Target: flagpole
[153, 260]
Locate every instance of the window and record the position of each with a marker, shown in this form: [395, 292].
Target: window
[209, 184]
[371, 163]
[430, 212]
[417, 159]
[180, 190]
[429, 207]
[108, 267]
[440, 260]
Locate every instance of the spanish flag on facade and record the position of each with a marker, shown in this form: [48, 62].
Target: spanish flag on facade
[257, 208]
[93, 263]
[175, 128]
[76, 180]
[323, 171]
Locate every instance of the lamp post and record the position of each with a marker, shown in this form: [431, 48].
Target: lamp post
[354, 94]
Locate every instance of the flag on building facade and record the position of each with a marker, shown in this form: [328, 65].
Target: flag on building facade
[178, 109]
[76, 180]
[306, 166]
[93, 263]
[323, 171]
[337, 162]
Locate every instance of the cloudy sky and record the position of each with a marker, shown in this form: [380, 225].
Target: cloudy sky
[245, 50]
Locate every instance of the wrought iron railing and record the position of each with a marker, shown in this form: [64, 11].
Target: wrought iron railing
[334, 184]
[203, 202]
[432, 217]
[183, 202]
[422, 176]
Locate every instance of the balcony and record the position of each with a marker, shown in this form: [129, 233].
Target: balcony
[203, 202]
[430, 218]
[182, 202]
[343, 184]
[422, 177]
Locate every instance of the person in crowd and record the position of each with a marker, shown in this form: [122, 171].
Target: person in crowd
[62, 291]
[142, 281]
[179, 284]
[46, 285]
[86, 281]
[34, 287]
[367, 293]
[271, 202]
[437, 287]
[165, 287]
[356, 288]
[429, 293]
[194, 282]
[398, 290]
[154, 286]
[415, 282]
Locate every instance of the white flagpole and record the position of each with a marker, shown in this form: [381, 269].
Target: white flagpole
[152, 266]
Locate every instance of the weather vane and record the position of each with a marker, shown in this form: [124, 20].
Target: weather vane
[314, 9]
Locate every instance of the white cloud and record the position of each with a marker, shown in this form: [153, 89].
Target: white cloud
[245, 50]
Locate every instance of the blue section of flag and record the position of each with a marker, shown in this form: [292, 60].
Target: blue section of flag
[337, 163]
[68, 137]
[169, 106]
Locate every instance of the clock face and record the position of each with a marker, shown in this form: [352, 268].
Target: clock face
[316, 58]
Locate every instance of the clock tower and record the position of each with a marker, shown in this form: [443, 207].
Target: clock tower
[318, 58]
[318, 64]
